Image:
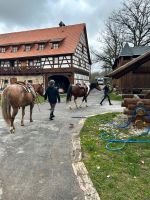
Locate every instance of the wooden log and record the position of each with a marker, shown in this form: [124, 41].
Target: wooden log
[140, 103]
[133, 106]
[126, 111]
[139, 124]
[140, 111]
[135, 101]
[146, 119]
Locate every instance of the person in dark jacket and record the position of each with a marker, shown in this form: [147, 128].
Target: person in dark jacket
[106, 94]
[53, 95]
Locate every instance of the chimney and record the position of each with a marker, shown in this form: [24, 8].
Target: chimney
[61, 24]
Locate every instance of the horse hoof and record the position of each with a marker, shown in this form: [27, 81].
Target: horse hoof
[12, 130]
[71, 125]
[31, 120]
[22, 124]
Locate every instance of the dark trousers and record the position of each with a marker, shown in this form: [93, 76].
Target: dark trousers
[106, 96]
[52, 105]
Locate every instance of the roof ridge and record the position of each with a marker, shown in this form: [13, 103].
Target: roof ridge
[41, 29]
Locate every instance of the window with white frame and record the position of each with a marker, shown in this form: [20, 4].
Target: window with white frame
[41, 46]
[2, 49]
[55, 45]
[27, 47]
[14, 49]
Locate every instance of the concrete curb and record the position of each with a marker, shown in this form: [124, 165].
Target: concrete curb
[79, 168]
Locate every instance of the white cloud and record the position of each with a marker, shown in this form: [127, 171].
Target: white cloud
[18, 15]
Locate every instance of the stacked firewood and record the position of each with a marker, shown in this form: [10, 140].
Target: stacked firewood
[138, 111]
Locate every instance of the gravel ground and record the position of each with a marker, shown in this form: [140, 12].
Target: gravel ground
[36, 162]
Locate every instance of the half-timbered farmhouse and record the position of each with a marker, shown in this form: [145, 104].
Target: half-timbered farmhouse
[131, 71]
[59, 53]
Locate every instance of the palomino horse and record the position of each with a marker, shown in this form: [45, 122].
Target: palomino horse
[15, 96]
[80, 91]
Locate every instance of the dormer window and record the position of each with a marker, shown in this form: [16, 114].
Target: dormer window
[27, 47]
[14, 49]
[56, 42]
[55, 45]
[41, 46]
[2, 50]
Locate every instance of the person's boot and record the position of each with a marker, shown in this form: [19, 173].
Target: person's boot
[109, 102]
[51, 115]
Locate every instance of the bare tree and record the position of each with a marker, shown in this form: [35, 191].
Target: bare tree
[111, 44]
[134, 17]
[131, 23]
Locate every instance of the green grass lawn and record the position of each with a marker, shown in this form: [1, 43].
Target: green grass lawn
[117, 175]
[115, 97]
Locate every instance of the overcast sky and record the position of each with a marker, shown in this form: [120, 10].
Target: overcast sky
[18, 15]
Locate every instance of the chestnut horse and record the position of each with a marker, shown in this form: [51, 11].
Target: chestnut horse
[15, 96]
[80, 91]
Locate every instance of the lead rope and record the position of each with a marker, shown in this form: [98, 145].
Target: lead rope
[111, 137]
[37, 101]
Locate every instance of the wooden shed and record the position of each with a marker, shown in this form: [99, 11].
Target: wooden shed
[131, 73]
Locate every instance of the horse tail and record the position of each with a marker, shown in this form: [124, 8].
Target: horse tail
[69, 94]
[6, 108]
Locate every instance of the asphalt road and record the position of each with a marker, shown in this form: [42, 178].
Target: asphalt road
[35, 162]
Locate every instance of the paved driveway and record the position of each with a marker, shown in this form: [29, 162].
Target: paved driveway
[35, 162]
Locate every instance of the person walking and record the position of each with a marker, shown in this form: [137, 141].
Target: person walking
[106, 94]
[53, 96]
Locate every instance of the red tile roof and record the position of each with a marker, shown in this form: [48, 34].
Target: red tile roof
[68, 36]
